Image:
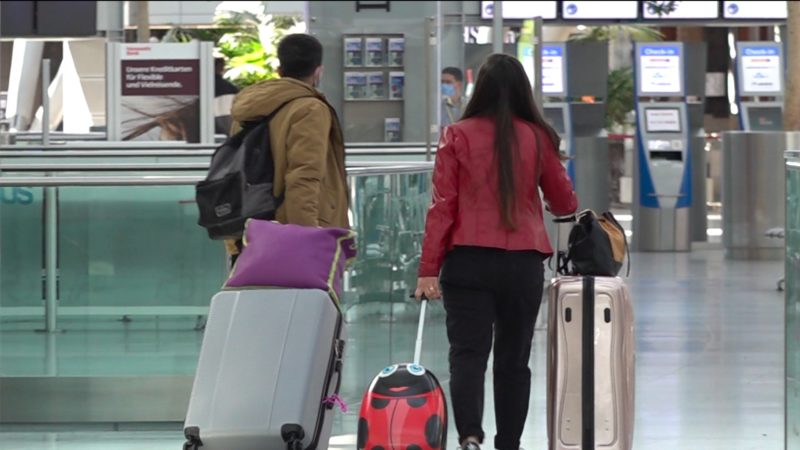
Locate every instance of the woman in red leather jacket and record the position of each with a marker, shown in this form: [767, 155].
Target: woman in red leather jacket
[486, 235]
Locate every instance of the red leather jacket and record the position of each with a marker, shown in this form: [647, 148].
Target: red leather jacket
[466, 209]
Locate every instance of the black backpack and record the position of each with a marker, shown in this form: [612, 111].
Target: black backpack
[239, 182]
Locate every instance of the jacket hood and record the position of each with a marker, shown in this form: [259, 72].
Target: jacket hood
[262, 99]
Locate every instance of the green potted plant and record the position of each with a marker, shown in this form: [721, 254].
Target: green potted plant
[247, 39]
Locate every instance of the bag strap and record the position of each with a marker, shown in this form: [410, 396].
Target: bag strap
[258, 120]
[610, 217]
[563, 263]
[246, 126]
[561, 256]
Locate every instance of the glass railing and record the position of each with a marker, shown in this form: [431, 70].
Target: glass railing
[136, 274]
[792, 233]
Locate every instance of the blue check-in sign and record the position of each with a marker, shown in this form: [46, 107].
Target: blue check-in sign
[552, 50]
[659, 50]
[760, 51]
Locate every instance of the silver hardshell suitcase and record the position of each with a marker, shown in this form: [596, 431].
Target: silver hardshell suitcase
[590, 386]
[270, 360]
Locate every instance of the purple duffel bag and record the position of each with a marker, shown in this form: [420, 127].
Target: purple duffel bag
[293, 256]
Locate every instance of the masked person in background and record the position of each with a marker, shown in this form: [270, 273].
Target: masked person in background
[453, 100]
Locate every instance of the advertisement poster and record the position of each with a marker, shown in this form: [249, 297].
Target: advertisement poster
[392, 129]
[761, 69]
[697, 9]
[552, 69]
[160, 95]
[660, 69]
[397, 47]
[376, 85]
[374, 51]
[396, 82]
[355, 85]
[353, 52]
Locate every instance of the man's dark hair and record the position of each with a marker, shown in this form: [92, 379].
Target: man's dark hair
[299, 55]
[455, 72]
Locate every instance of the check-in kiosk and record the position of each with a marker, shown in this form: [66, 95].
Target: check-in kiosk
[753, 183]
[662, 168]
[759, 86]
[574, 104]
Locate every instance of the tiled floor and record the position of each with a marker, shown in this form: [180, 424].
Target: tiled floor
[709, 362]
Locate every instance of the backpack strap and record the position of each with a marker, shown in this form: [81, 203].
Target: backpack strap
[258, 120]
[246, 126]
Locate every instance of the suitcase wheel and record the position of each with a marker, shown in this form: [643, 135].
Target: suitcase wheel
[193, 441]
[293, 435]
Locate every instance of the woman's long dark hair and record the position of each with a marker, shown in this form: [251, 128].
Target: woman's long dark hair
[503, 92]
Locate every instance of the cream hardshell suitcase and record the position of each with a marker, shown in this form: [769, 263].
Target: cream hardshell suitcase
[590, 386]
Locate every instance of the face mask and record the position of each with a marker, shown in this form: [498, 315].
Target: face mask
[448, 90]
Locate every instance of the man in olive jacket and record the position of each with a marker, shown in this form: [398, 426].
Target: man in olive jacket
[306, 138]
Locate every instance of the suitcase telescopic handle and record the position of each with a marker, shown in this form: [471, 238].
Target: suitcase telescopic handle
[418, 347]
[420, 328]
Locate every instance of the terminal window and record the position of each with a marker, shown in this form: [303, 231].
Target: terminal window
[662, 120]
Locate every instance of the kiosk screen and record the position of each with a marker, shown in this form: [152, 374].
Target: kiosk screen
[662, 120]
[765, 118]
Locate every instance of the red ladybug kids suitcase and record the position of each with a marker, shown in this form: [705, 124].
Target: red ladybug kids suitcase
[404, 407]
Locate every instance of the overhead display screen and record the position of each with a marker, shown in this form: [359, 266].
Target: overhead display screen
[521, 10]
[755, 10]
[660, 69]
[684, 10]
[587, 10]
[662, 120]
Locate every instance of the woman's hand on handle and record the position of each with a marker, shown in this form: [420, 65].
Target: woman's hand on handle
[429, 287]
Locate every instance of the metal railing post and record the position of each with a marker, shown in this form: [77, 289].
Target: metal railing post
[429, 95]
[50, 241]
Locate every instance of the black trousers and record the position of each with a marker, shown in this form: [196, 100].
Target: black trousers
[491, 295]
